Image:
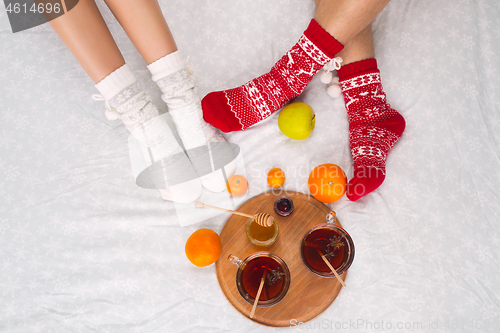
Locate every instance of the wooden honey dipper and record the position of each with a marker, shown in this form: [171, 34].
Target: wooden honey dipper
[262, 219]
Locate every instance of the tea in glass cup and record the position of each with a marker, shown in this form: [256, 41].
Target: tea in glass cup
[262, 236]
[252, 269]
[331, 241]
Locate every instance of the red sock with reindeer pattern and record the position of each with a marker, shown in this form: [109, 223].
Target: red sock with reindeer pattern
[374, 127]
[238, 108]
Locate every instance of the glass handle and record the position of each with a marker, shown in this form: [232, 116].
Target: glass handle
[235, 260]
[331, 218]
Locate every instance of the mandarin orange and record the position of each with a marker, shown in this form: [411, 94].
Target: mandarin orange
[275, 177]
[237, 185]
[327, 182]
[203, 247]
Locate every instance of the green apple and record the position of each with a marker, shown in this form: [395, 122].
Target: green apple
[297, 121]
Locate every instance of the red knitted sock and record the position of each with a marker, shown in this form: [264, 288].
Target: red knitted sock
[374, 127]
[238, 108]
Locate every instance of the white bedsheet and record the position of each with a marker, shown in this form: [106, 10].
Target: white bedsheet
[83, 249]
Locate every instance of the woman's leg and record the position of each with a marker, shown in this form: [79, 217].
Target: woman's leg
[146, 27]
[85, 33]
[87, 36]
[336, 23]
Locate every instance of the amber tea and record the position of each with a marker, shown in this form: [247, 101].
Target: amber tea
[334, 243]
[252, 269]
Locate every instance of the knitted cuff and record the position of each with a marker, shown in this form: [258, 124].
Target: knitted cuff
[322, 39]
[167, 65]
[357, 68]
[116, 82]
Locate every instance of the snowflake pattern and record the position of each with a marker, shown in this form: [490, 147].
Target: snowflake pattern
[257, 99]
[84, 249]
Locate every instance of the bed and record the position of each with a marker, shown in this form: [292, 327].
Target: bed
[84, 249]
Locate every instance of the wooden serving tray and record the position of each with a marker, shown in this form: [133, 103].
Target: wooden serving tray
[309, 295]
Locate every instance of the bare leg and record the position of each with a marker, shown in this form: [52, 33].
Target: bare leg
[146, 27]
[86, 35]
[336, 26]
[369, 131]
[360, 47]
[345, 19]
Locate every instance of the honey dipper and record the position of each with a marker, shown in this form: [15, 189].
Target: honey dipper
[262, 219]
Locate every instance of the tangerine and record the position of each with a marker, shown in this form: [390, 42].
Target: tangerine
[276, 177]
[327, 182]
[237, 185]
[203, 247]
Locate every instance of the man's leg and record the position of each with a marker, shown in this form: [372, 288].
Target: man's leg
[374, 127]
[358, 48]
[336, 23]
[345, 19]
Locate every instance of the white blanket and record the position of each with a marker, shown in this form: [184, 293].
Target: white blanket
[83, 249]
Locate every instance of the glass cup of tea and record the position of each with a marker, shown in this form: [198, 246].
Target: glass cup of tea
[250, 273]
[262, 236]
[331, 241]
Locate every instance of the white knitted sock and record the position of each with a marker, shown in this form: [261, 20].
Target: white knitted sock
[124, 95]
[205, 145]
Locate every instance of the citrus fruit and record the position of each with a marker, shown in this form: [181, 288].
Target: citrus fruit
[203, 247]
[297, 120]
[237, 185]
[276, 177]
[327, 182]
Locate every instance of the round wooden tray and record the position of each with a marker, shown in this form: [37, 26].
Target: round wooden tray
[309, 295]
